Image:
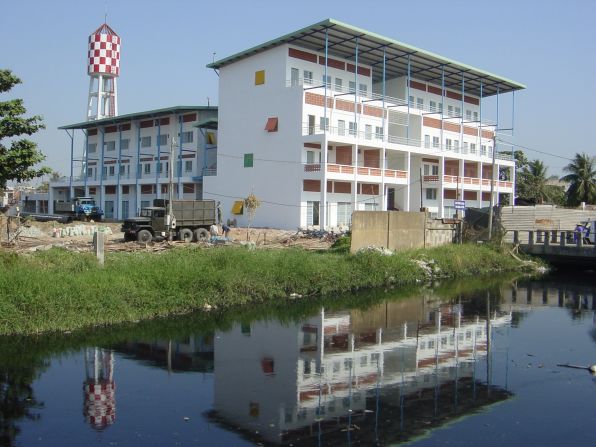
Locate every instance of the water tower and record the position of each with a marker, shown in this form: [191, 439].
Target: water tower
[103, 69]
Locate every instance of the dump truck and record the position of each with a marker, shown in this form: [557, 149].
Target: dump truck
[79, 208]
[190, 221]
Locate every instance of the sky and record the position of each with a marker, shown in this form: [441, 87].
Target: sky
[549, 46]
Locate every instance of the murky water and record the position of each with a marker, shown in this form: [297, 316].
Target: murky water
[453, 365]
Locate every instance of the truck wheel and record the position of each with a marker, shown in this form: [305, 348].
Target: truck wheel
[185, 235]
[144, 236]
[201, 235]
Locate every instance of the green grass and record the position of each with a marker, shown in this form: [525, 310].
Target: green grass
[57, 290]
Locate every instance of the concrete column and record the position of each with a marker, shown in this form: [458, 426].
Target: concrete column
[531, 238]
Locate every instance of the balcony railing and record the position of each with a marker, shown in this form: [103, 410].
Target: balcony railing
[454, 179]
[360, 170]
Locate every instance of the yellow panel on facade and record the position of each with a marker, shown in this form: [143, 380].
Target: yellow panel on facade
[238, 206]
[211, 138]
[259, 77]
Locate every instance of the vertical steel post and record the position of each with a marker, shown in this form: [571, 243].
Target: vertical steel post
[86, 161]
[514, 176]
[323, 207]
[70, 191]
[102, 142]
[442, 145]
[384, 150]
[158, 166]
[461, 129]
[357, 124]
[492, 175]
[408, 99]
[139, 169]
[181, 121]
[117, 204]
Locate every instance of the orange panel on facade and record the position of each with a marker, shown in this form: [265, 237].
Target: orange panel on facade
[271, 125]
[343, 155]
[450, 194]
[311, 185]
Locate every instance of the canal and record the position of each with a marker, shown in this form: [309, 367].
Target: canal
[469, 363]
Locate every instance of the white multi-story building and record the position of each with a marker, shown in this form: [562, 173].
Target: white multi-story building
[125, 159]
[331, 119]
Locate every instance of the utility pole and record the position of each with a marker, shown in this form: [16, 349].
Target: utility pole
[492, 189]
[171, 221]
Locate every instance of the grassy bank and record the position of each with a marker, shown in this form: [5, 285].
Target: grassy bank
[58, 290]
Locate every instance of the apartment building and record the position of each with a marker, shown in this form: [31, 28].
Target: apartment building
[124, 161]
[331, 119]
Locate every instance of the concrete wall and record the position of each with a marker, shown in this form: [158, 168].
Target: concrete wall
[398, 230]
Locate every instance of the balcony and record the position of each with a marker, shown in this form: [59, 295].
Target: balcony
[471, 181]
[341, 172]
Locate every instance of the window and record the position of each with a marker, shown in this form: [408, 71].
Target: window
[368, 131]
[146, 141]
[312, 213]
[271, 125]
[457, 111]
[125, 144]
[352, 86]
[433, 106]
[92, 147]
[323, 123]
[431, 194]
[449, 110]
[248, 160]
[188, 166]
[441, 107]
[379, 132]
[310, 157]
[353, 128]
[420, 103]
[147, 168]
[435, 142]
[162, 139]
[328, 83]
[187, 137]
[294, 76]
[89, 172]
[104, 171]
[259, 77]
[472, 148]
[341, 127]
[112, 170]
[430, 169]
[307, 77]
[427, 141]
[456, 145]
[338, 84]
[370, 206]
[363, 89]
[311, 124]
[122, 170]
[465, 147]
[483, 149]
[411, 101]
[344, 213]
[475, 116]
[449, 144]
[468, 115]
[110, 145]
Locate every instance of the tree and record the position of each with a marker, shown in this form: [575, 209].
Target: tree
[581, 179]
[251, 203]
[17, 161]
[532, 182]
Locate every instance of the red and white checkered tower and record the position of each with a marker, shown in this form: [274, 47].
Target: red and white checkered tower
[103, 68]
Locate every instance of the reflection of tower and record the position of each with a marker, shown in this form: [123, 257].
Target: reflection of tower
[103, 67]
[99, 388]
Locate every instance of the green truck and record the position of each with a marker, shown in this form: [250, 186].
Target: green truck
[190, 221]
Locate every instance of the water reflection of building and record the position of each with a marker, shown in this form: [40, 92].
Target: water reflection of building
[193, 353]
[99, 389]
[352, 372]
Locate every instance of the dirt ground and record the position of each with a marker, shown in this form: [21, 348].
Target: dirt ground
[35, 236]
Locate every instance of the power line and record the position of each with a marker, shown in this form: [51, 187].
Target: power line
[535, 150]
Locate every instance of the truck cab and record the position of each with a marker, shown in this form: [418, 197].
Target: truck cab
[151, 219]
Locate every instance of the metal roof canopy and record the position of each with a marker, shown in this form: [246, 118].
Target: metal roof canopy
[139, 115]
[424, 65]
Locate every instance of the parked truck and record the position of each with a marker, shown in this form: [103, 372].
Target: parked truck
[190, 221]
[79, 208]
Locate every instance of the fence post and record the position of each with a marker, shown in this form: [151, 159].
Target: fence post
[516, 236]
[99, 238]
[531, 238]
[563, 240]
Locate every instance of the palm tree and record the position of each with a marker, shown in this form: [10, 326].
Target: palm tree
[581, 179]
[532, 182]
